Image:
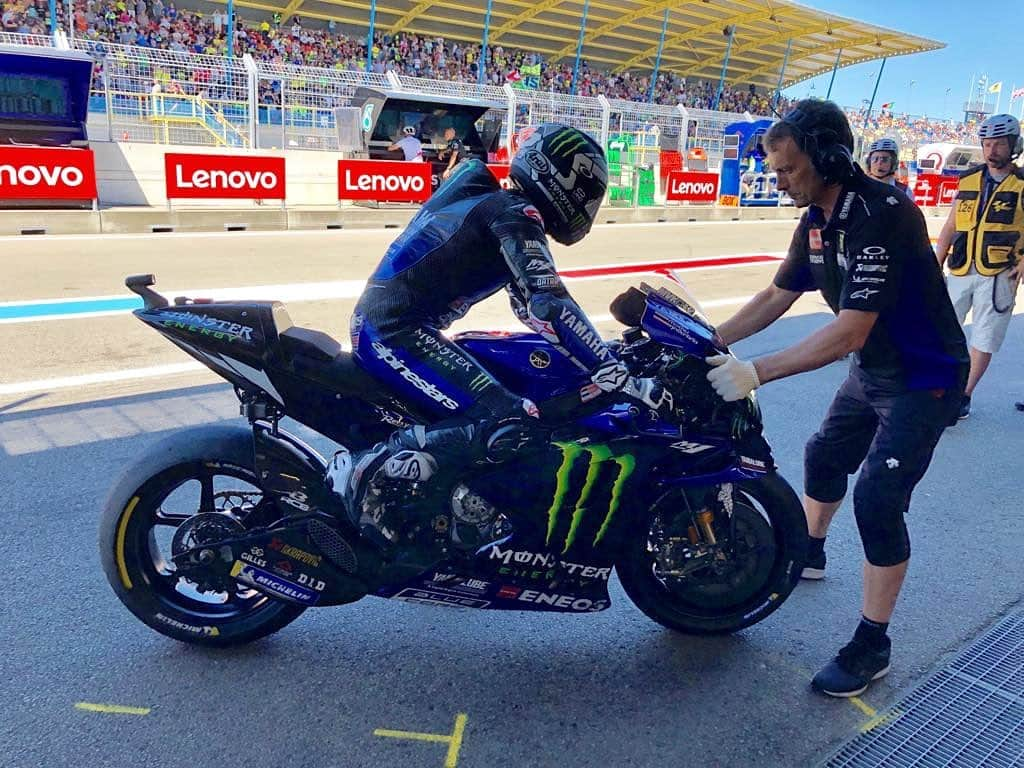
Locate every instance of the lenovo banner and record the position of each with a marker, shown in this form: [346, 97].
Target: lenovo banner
[692, 187]
[500, 172]
[932, 189]
[37, 173]
[218, 176]
[383, 180]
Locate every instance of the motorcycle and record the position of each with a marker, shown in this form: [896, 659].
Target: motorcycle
[221, 535]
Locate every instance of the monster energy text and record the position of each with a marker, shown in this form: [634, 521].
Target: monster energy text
[206, 325]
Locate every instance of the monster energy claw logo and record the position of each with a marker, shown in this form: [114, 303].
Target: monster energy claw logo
[565, 143]
[598, 456]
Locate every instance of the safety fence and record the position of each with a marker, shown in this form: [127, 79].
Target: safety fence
[174, 97]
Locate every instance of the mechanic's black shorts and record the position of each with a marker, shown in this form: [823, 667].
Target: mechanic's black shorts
[893, 434]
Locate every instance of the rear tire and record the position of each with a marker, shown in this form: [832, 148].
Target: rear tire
[136, 564]
[767, 511]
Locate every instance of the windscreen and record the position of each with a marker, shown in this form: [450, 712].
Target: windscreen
[673, 290]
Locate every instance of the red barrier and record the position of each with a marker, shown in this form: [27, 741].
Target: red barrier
[931, 189]
[668, 161]
[47, 173]
[224, 176]
[383, 180]
[500, 172]
[692, 187]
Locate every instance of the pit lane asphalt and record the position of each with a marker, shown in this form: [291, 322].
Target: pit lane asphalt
[611, 689]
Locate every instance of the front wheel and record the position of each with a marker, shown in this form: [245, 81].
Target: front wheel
[195, 487]
[713, 560]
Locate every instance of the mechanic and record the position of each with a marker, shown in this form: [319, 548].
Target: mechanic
[468, 241]
[984, 229]
[866, 248]
[883, 160]
[454, 151]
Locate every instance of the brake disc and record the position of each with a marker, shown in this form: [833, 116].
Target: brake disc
[195, 550]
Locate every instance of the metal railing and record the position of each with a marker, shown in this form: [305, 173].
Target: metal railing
[267, 105]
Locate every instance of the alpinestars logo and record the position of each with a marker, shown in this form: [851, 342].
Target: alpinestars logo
[598, 457]
[388, 356]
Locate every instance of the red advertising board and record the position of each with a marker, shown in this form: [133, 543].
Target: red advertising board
[932, 189]
[383, 180]
[223, 176]
[47, 173]
[692, 187]
[500, 172]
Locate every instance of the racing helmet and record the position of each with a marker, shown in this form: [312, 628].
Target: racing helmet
[995, 126]
[563, 172]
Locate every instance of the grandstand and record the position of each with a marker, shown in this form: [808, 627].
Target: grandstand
[163, 73]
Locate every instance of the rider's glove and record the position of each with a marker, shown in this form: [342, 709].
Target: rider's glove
[614, 377]
[650, 392]
[733, 379]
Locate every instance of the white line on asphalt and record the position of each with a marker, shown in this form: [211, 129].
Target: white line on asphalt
[133, 374]
[296, 292]
[334, 232]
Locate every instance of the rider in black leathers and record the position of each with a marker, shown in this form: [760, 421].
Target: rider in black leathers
[470, 240]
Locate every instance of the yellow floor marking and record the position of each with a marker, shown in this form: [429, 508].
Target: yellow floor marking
[882, 719]
[866, 709]
[112, 709]
[454, 740]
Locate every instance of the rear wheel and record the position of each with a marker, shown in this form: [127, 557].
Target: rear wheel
[194, 488]
[702, 567]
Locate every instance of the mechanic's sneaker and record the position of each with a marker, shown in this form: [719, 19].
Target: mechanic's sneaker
[850, 673]
[814, 568]
[965, 408]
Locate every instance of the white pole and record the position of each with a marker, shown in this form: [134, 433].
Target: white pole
[999, 97]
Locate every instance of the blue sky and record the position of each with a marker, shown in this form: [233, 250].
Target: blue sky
[970, 31]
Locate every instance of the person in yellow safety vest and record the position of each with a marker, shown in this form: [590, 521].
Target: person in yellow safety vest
[986, 231]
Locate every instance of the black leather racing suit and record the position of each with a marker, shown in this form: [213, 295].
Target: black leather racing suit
[468, 241]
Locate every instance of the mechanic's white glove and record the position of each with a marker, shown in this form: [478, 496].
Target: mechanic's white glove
[732, 378]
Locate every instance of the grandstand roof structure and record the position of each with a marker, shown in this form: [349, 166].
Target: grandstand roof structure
[625, 34]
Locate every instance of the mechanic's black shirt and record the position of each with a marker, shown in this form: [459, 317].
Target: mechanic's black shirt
[874, 255]
[456, 149]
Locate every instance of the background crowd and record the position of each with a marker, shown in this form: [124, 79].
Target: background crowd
[159, 24]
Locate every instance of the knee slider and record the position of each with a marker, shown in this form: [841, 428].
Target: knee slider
[883, 530]
[825, 479]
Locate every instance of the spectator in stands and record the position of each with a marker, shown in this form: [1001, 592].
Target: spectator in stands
[411, 147]
[159, 25]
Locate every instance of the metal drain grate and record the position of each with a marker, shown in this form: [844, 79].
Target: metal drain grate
[970, 713]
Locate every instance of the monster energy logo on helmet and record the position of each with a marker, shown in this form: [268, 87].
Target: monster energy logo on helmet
[598, 456]
[563, 172]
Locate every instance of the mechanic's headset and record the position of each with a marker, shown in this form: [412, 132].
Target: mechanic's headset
[828, 154]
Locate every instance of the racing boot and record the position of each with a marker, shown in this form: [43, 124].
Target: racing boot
[399, 481]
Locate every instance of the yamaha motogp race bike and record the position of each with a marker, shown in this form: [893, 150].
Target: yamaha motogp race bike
[221, 535]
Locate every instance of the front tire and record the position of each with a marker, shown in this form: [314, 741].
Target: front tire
[206, 470]
[770, 533]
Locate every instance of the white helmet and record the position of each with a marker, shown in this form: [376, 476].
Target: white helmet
[1003, 125]
[409, 130]
[884, 145]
